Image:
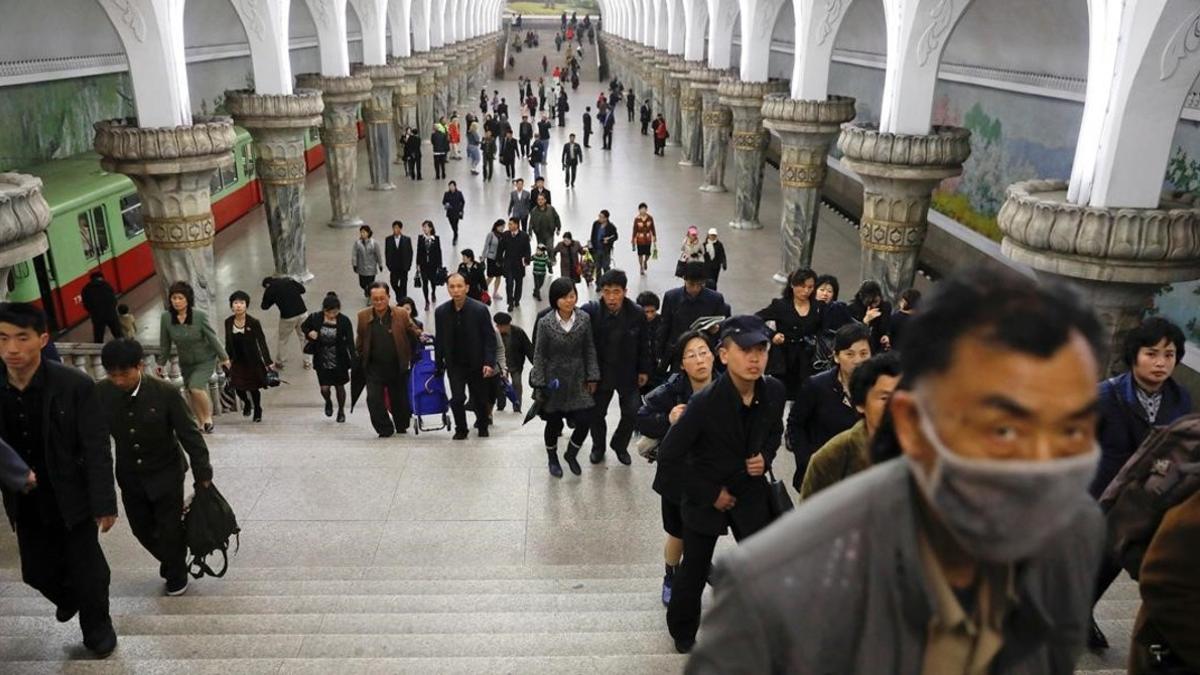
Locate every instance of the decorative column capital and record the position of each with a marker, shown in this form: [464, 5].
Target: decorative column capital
[337, 90]
[386, 80]
[1124, 245]
[931, 157]
[251, 110]
[24, 218]
[745, 102]
[805, 130]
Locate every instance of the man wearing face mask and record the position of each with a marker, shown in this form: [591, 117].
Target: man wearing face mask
[973, 553]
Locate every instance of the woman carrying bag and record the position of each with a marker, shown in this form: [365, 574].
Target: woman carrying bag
[691, 250]
[366, 258]
[429, 261]
[249, 357]
[329, 339]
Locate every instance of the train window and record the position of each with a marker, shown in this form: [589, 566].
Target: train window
[85, 236]
[215, 185]
[131, 215]
[100, 227]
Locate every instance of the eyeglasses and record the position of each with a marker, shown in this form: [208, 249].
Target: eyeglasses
[696, 354]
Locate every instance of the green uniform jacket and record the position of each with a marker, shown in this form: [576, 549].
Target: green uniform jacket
[545, 223]
[152, 431]
[196, 342]
[841, 457]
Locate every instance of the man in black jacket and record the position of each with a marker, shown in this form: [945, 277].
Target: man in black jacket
[682, 306]
[466, 352]
[587, 126]
[539, 188]
[49, 414]
[100, 301]
[720, 448]
[572, 157]
[398, 254]
[286, 294]
[513, 254]
[508, 154]
[604, 236]
[618, 329]
[608, 124]
[152, 428]
[412, 154]
[518, 350]
[526, 135]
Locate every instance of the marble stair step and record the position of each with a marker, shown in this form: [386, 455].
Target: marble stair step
[290, 587]
[351, 624]
[441, 645]
[358, 604]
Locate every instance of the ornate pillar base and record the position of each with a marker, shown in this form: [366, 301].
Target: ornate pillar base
[172, 170]
[24, 217]
[899, 173]
[425, 102]
[750, 139]
[339, 134]
[379, 116]
[805, 130]
[1117, 257]
[278, 125]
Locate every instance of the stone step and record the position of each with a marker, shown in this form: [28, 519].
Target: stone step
[431, 645]
[545, 665]
[359, 604]
[290, 587]
[351, 624]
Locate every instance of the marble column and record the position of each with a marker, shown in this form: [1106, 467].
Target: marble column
[673, 84]
[652, 81]
[441, 88]
[279, 124]
[659, 82]
[899, 173]
[425, 89]
[339, 134]
[690, 106]
[750, 139]
[716, 121]
[172, 169]
[805, 129]
[24, 217]
[378, 114]
[404, 101]
[1117, 257]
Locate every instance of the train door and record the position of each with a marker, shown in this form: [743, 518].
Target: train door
[97, 243]
[51, 298]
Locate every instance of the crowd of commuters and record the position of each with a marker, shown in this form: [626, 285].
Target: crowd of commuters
[944, 448]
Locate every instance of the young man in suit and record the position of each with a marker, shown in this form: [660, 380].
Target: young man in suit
[572, 157]
[398, 254]
[466, 353]
[519, 203]
[152, 429]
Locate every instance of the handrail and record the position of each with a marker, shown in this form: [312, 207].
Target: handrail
[85, 356]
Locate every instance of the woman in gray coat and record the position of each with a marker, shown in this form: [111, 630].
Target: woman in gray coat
[565, 373]
[367, 259]
[491, 249]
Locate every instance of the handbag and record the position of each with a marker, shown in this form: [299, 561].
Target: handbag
[485, 298]
[779, 501]
[654, 251]
[273, 379]
[417, 280]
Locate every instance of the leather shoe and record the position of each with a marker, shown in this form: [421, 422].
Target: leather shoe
[573, 464]
[103, 645]
[684, 646]
[65, 613]
[596, 456]
[461, 434]
[1096, 638]
[483, 432]
[623, 457]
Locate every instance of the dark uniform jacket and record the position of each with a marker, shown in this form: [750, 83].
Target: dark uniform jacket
[284, 292]
[631, 336]
[513, 253]
[708, 448]
[78, 458]
[821, 411]
[517, 348]
[679, 310]
[399, 258]
[479, 341]
[572, 154]
[99, 298]
[654, 421]
[152, 431]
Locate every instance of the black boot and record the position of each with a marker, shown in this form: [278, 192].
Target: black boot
[555, 467]
[570, 455]
[1096, 638]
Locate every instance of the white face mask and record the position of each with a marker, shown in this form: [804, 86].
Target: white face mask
[1003, 510]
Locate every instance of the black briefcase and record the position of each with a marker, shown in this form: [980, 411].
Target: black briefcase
[778, 499]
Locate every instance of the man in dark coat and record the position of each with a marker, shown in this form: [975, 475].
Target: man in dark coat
[720, 449]
[466, 353]
[619, 331]
[383, 342]
[604, 235]
[100, 301]
[412, 153]
[630, 103]
[398, 254]
[526, 135]
[682, 306]
[609, 123]
[572, 157]
[151, 428]
[513, 255]
[518, 350]
[50, 414]
[539, 188]
[287, 294]
[587, 127]
[645, 117]
[508, 154]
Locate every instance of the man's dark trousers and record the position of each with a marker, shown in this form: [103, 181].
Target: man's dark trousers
[587, 138]
[606, 139]
[66, 565]
[464, 379]
[629, 401]
[523, 147]
[683, 613]
[157, 522]
[400, 283]
[570, 170]
[397, 420]
[513, 285]
[99, 323]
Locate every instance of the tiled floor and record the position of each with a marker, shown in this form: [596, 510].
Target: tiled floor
[327, 497]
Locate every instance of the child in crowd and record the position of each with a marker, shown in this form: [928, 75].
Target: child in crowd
[128, 324]
[542, 264]
[587, 265]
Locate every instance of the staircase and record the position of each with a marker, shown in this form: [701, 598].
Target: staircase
[529, 61]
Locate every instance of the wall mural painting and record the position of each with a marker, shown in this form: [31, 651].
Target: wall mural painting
[52, 120]
[580, 8]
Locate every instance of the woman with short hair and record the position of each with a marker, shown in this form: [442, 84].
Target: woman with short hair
[249, 356]
[186, 329]
[329, 338]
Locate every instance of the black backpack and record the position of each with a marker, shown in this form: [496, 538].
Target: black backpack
[1163, 472]
[210, 523]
